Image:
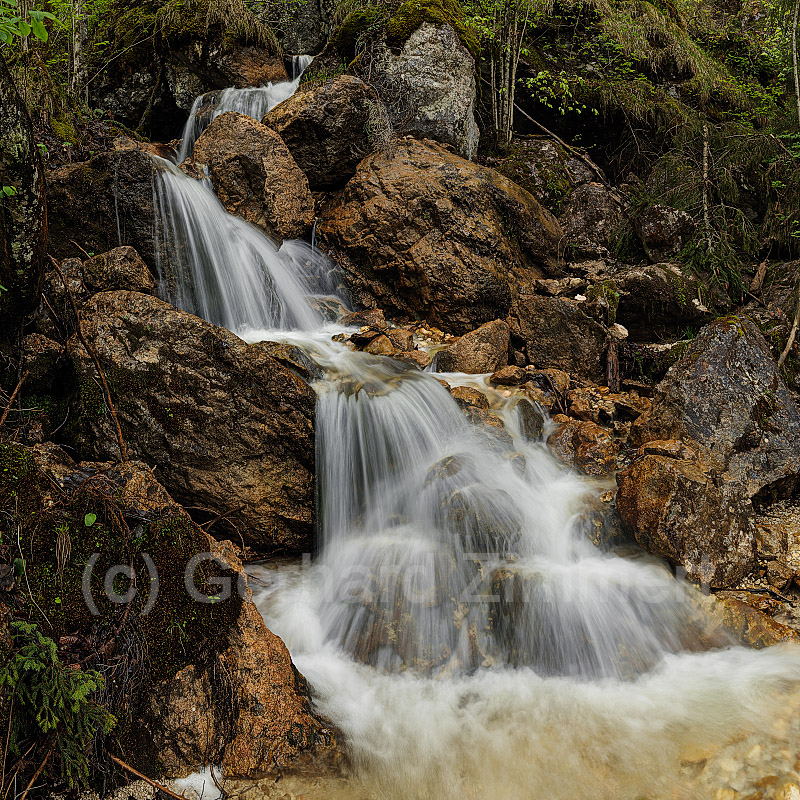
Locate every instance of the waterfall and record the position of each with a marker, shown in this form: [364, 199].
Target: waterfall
[457, 624]
[254, 101]
[226, 270]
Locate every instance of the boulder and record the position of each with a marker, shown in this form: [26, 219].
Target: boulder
[191, 719]
[255, 176]
[244, 705]
[584, 445]
[589, 218]
[482, 350]
[429, 88]
[545, 169]
[228, 428]
[663, 231]
[327, 128]
[419, 231]
[654, 302]
[101, 204]
[555, 333]
[726, 393]
[120, 268]
[679, 509]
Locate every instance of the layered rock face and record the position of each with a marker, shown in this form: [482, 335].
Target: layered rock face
[422, 232]
[255, 176]
[228, 428]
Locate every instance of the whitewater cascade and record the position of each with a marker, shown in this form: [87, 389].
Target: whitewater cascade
[457, 624]
[254, 101]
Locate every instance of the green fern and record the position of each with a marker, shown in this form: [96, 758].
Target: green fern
[56, 699]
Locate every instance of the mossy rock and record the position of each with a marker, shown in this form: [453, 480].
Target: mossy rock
[413, 13]
[357, 24]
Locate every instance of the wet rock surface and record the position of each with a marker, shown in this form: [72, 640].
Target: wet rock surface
[420, 231]
[255, 176]
[483, 350]
[327, 128]
[194, 397]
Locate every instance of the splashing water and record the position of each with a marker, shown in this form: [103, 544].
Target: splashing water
[226, 270]
[254, 101]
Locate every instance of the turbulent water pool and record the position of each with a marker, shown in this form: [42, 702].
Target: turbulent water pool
[456, 624]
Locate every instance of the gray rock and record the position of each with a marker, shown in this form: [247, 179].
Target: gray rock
[727, 394]
[663, 231]
[429, 88]
[590, 217]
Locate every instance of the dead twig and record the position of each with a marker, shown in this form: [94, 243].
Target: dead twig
[123, 450]
[792, 333]
[14, 396]
[72, 241]
[154, 784]
[39, 770]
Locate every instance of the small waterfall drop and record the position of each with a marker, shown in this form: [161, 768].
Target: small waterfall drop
[254, 101]
[226, 270]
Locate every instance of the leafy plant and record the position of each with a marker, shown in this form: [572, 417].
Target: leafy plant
[52, 700]
[13, 23]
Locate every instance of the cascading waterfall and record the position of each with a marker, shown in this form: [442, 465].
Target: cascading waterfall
[254, 101]
[457, 625]
[224, 269]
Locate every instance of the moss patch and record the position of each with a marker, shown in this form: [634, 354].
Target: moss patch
[414, 13]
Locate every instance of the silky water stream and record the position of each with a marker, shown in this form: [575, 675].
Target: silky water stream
[456, 624]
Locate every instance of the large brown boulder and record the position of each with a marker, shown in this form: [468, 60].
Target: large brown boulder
[327, 128]
[677, 507]
[556, 333]
[590, 217]
[255, 176]
[244, 705]
[423, 232]
[663, 231]
[483, 350]
[727, 394]
[101, 204]
[228, 428]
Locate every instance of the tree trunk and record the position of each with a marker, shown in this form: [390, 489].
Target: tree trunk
[80, 39]
[23, 219]
[794, 56]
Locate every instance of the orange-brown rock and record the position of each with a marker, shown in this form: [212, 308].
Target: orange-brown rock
[584, 445]
[678, 509]
[422, 232]
[483, 350]
[255, 176]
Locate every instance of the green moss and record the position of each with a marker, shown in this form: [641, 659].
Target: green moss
[414, 13]
[356, 25]
[608, 291]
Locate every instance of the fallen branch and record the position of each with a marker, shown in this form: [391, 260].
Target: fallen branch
[38, 771]
[792, 333]
[13, 397]
[154, 784]
[123, 450]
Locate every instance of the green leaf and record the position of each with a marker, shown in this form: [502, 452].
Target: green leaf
[19, 566]
[90, 520]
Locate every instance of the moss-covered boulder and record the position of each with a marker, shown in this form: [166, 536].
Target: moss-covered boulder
[86, 529]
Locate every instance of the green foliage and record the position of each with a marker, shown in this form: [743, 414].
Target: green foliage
[413, 13]
[555, 91]
[52, 700]
[14, 24]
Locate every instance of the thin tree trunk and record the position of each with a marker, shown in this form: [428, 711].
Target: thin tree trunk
[706, 214]
[80, 39]
[794, 56]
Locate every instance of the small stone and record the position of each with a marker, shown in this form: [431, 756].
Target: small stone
[789, 791]
[509, 376]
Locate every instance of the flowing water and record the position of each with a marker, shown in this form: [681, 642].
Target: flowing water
[457, 625]
[254, 101]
